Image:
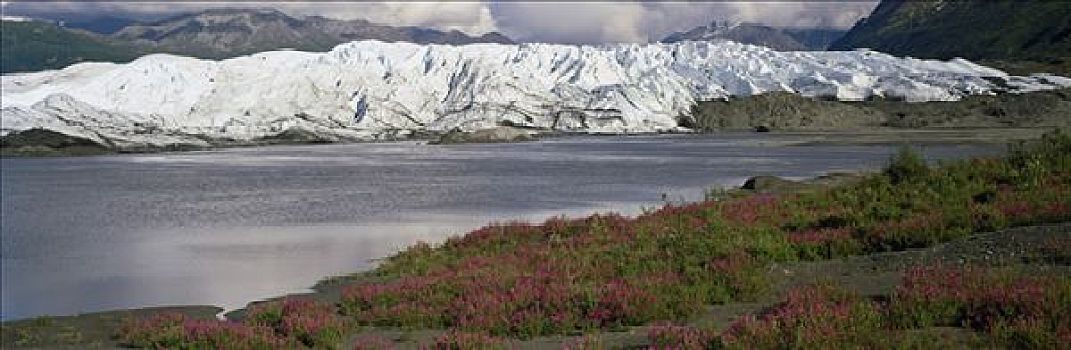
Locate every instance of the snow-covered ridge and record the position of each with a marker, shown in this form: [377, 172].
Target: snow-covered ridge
[361, 89]
[16, 19]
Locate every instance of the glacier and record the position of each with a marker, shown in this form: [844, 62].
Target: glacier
[367, 90]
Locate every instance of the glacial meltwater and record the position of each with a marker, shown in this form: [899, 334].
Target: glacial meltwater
[230, 226]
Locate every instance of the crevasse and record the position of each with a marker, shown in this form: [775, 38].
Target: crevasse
[361, 89]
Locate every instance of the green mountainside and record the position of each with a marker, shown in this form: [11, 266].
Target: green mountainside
[972, 29]
[214, 33]
[38, 45]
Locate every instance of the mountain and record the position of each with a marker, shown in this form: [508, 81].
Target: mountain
[101, 25]
[220, 33]
[781, 39]
[980, 29]
[216, 33]
[815, 38]
[371, 89]
[30, 45]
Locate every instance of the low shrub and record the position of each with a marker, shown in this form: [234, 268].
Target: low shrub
[670, 336]
[1017, 310]
[816, 316]
[289, 323]
[458, 340]
[373, 342]
[176, 331]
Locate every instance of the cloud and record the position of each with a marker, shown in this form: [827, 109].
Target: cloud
[575, 22]
[558, 22]
[599, 22]
[469, 17]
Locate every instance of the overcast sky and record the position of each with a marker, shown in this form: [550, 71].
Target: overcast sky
[557, 22]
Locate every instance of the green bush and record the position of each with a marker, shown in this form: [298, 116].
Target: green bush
[907, 165]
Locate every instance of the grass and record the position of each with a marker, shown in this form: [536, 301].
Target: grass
[609, 272]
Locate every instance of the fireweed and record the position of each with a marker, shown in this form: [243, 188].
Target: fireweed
[815, 316]
[671, 336]
[312, 323]
[289, 323]
[456, 340]
[373, 342]
[569, 276]
[609, 271]
[1005, 307]
[586, 342]
[176, 331]
[1022, 311]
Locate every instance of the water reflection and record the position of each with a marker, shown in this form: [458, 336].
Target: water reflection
[227, 227]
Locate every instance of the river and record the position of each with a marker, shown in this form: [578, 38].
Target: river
[229, 226]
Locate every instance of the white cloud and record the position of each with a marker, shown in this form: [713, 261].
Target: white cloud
[575, 22]
[562, 22]
[468, 17]
[596, 22]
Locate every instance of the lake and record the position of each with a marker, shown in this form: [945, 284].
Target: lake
[231, 226]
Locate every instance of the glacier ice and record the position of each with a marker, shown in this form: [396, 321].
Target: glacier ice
[363, 89]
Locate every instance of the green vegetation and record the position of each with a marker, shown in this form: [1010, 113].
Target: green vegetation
[35, 46]
[90, 331]
[606, 273]
[212, 34]
[982, 29]
[290, 323]
[1006, 308]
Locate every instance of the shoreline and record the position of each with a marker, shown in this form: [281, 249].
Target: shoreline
[329, 289]
[861, 136]
[873, 275]
[331, 285]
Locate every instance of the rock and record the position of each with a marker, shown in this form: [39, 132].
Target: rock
[297, 135]
[786, 112]
[771, 184]
[43, 142]
[492, 135]
[781, 111]
[777, 185]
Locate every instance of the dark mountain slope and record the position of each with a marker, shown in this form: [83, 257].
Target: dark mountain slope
[983, 29]
[746, 33]
[782, 39]
[38, 45]
[217, 33]
[815, 38]
[231, 32]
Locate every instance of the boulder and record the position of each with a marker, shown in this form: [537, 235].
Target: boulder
[44, 142]
[296, 135]
[492, 135]
[772, 184]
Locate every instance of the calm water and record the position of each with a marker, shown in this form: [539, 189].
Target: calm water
[227, 227]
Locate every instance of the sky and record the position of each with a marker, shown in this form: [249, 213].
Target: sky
[541, 21]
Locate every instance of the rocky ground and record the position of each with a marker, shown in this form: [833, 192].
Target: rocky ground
[493, 135]
[784, 111]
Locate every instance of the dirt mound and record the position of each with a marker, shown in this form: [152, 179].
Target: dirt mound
[786, 111]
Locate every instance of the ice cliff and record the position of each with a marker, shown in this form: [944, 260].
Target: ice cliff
[366, 89]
